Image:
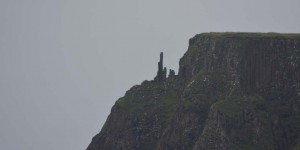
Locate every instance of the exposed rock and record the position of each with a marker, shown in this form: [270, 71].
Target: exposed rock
[233, 91]
[161, 73]
[171, 73]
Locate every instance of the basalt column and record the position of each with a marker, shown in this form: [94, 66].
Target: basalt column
[162, 72]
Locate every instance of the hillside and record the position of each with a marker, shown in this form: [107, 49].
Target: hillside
[233, 91]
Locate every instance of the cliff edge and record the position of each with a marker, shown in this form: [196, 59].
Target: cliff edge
[233, 91]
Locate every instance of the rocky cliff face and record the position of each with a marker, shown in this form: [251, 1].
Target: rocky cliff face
[234, 91]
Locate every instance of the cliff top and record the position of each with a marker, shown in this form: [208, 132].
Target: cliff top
[249, 35]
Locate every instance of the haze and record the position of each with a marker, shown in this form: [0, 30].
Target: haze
[64, 63]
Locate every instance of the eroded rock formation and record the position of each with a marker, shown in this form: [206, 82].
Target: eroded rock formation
[162, 71]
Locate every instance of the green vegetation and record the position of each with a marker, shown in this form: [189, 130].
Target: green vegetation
[131, 105]
[232, 106]
[168, 106]
[205, 86]
[149, 97]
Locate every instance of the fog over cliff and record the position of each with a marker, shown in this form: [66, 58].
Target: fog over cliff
[64, 63]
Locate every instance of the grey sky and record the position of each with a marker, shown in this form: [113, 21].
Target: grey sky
[63, 63]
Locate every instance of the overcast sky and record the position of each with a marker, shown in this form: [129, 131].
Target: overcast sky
[64, 63]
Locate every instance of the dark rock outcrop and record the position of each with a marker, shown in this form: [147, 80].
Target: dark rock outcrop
[233, 91]
[162, 71]
[171, 73]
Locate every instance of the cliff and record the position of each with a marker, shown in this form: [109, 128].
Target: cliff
[233, 91]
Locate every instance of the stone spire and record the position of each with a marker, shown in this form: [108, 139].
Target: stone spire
[162, 72]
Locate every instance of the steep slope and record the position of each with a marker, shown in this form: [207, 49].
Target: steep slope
[233, 91]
